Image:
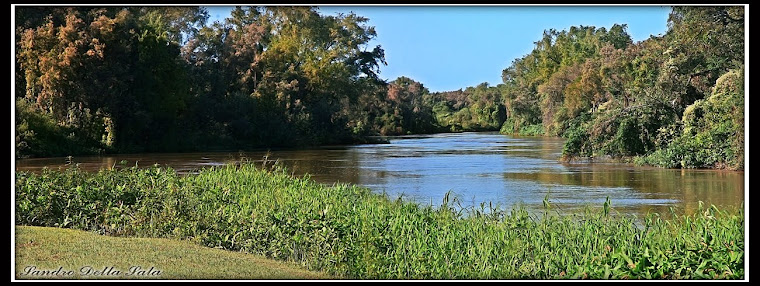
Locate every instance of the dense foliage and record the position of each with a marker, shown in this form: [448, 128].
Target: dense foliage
[675, 100]
[352, 232]
[160, 78]
[113, 79]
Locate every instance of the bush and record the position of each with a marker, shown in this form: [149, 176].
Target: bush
[512, 126]
[38, 135]
[713, 130]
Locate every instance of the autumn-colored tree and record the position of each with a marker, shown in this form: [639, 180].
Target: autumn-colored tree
[612, 97]
[117, 79]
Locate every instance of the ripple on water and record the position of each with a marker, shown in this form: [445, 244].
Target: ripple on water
[477, 167]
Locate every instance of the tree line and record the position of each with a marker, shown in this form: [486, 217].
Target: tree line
[152, 79]
[675, 100]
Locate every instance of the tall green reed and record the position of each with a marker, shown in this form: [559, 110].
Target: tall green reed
[352, 232]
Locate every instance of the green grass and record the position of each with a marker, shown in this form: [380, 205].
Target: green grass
[350, 232]
[48, 248]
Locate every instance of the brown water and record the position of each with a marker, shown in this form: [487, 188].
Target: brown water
[477, 167]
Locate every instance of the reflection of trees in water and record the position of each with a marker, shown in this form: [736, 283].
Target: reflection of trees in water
[721, 188]
[324, 166]
[382, 169]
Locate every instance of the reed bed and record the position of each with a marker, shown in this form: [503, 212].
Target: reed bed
[351, 232]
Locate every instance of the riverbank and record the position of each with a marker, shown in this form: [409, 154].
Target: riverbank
[648, 160]
[76, 254]
[351, 232]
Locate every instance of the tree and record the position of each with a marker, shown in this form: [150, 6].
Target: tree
[704, 43]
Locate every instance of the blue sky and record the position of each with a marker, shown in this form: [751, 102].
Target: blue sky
[452, 47]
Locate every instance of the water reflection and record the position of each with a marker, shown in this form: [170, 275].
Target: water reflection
[477, 167]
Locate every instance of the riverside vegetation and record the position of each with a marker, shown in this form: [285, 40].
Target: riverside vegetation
[150, 79]
[162, 79]
[350, 232]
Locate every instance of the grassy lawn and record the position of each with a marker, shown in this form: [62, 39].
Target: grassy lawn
[49, 248]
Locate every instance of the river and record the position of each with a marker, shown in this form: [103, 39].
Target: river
[478, 167]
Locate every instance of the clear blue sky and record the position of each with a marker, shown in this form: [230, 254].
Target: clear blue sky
[452, 47]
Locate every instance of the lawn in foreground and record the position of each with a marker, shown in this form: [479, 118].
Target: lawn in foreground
[48, 248]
